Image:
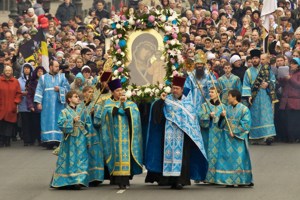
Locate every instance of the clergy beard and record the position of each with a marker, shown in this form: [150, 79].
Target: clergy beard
[199, 73]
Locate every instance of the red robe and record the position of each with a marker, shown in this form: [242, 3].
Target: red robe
[10, 97]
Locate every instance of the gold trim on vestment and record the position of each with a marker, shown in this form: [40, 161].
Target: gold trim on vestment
[96, 168]
[230, 171]
[265, 126]
[68, 175]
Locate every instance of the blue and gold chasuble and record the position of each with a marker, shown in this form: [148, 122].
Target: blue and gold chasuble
[228, 83]
[53, 102]
[95, 144]
[181, 119]
[261, 109]
[122, 136]
[233, 166]
[72, 163]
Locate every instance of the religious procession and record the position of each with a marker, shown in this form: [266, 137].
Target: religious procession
[176, 89]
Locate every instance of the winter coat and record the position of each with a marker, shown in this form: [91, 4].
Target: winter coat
[64, 13]
[22, 107]
[290, 99]
[10, 96]
[32, 84]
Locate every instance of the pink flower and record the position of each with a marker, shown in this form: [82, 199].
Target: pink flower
[119, 35]
[120, 69]
[123, 17]
[117, 46]
[119, 51]
[175, 73]
[115, 32]
[172, 60]
[151, 18]
[133, 93]
[174, 36]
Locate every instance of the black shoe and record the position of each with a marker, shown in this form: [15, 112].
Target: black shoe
[230, 186]
[122, 187]
[177, 186]
[251, 185]
[269, 141]
[94, 183]
[76, 187]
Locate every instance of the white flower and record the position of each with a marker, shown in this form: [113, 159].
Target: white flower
[139, 93]
[119, 63]
[122, 54]
[131, 21]
[118, 26]
[167, 89]
[168, 28]
[163, 18]
[147, 90]
[116, 72]
[157, 12]
[117, 41]
[171, 18]
[128, 93]
[156, 91]
[173, 68]
[129, 87]
[173, 42]
[161, 86]
[116, 18]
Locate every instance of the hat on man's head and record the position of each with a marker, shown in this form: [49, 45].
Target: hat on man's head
[255, 53]
[178, 81]
[114, 84]
[106, 76]
[198, 59]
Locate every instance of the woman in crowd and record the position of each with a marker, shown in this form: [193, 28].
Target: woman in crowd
[35, 115]
[290, 102]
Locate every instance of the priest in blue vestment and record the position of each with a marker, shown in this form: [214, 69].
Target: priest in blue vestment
[175, 151]
[259, 89]
[199, 77]
[50, 98]
[233, 166]
[122, 136]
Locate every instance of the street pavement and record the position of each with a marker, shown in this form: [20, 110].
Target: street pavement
[25, 174]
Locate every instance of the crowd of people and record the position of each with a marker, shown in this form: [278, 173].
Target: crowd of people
[238, 88]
